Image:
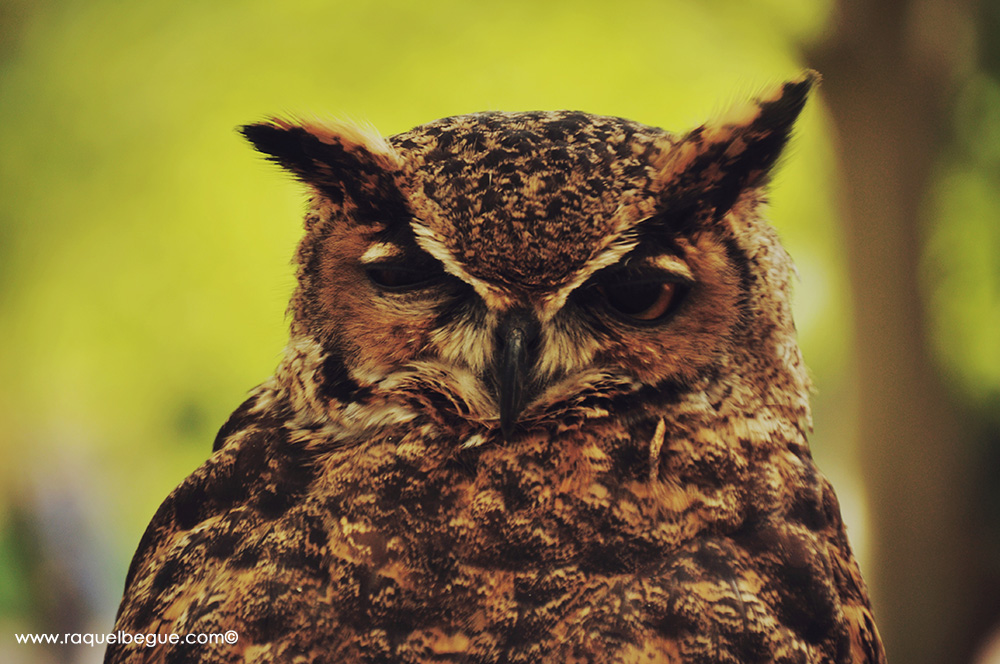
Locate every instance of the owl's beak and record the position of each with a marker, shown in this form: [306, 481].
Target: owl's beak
[515, 338]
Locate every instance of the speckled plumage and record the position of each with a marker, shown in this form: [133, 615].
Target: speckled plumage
[645, 495]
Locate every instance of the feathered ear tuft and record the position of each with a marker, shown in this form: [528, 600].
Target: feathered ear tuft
[346, 164]
[707, 169]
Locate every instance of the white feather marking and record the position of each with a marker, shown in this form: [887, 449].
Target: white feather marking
[474, 440]
[672, 264]
[655, 446]
[463, 342]
[564, 352]
[379, 252]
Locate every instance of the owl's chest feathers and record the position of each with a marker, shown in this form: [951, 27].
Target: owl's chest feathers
[605, 495]
[605, 498]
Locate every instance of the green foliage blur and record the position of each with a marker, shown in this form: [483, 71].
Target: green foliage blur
[145, 249]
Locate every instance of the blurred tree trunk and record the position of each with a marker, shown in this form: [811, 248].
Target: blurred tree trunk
[889, 77]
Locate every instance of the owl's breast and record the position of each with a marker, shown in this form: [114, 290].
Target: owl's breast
[538, 549]
[581, 500]
[410, 548]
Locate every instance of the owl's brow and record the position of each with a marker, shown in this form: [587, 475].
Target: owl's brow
[381, 251]
[667, 263]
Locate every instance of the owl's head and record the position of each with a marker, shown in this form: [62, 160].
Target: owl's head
[499, 272]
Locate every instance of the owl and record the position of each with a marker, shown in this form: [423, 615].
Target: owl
[542, 402]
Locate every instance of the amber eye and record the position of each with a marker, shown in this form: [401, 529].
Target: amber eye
[394, 277]
[641, 300]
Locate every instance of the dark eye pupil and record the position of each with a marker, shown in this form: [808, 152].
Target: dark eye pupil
[648, 301]
[400, 278]
[633, 299]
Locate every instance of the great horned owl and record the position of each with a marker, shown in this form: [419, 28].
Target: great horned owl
[542, 402]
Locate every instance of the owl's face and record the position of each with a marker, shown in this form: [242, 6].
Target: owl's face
[502, 271]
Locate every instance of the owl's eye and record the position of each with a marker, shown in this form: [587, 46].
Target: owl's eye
[397, 277]
[641, 300]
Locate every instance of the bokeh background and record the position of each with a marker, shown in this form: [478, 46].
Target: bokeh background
[144, 249]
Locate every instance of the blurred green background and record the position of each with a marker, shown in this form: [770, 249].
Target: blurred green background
[145, 250]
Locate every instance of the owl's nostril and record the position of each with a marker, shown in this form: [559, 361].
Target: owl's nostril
[516, 351]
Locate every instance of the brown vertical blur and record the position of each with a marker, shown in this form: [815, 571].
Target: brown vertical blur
[890, 69]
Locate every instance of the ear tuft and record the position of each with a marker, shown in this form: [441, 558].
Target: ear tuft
[710, 167]
[775, 109]
[288, 146]
[340, 160]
